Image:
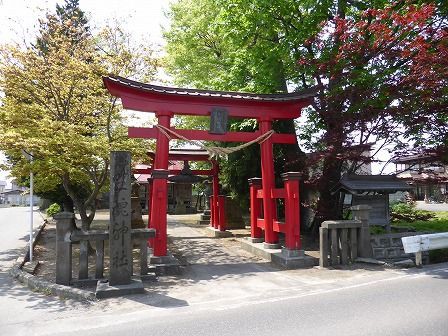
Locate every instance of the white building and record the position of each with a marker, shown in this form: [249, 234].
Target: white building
[2, 191]
[18, 196]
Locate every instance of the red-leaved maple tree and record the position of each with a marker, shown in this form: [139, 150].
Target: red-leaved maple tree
[382, 78]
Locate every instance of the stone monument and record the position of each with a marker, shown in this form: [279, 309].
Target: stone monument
[120, 243]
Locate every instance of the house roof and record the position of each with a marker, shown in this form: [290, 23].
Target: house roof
[382, 184]
[415, 158]
[15, 191]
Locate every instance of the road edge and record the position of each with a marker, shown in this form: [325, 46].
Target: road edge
[43, 286]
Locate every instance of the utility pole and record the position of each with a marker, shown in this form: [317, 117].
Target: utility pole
[29, 157]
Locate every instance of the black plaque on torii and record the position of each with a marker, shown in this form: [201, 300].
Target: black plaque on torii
[218, 120]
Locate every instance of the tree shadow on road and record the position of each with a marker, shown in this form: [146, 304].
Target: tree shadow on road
[11, 289]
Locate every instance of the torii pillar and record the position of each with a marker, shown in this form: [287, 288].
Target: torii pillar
[267, 174]
[159, 201]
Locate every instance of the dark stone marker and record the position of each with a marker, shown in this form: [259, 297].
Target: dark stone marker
[379, 212]
[218, 121]
[120, 219]
[64, 227]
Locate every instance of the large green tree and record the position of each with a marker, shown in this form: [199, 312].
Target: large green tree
[56, 107]
[352, 53]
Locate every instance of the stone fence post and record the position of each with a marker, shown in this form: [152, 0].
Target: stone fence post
[361, 213]
[64, 229]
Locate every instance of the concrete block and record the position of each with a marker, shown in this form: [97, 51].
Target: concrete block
[391, 252]
[294, 262]
[289, 259]
[164, 265]
[212, 232]
[255, 240]
[407, 263]
[165, 269]
[342, 224]
[82, 283]
[374, 242]
[396, 242]
[384, 242]
[105, 290]
[287, 253]
[370, 261]
[270, 246]
[378, 253]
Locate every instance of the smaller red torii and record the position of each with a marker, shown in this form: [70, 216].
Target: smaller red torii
[216, 208]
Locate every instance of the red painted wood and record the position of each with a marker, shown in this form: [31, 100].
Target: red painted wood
[255, 211]
[151, 133]
[180, 156]
[222, 213]
[135, 99]
[212, 212]
[267, 175]
[279, 226]
[148, 171]
[215, 191]
[260, 193]
[292, 215]
[160, 193]
[149, 191]
[278, 193]
[260, 223]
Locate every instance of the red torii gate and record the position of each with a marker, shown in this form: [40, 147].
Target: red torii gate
[165, 102]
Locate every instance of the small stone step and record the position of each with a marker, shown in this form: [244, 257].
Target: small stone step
[204, 222]
[205, 217]
[207, 212]
[30, 266]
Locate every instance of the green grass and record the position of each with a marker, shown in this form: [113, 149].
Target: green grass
[437, 224]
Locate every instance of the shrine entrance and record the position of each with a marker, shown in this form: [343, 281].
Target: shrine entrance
[166, 102]
[178, 175]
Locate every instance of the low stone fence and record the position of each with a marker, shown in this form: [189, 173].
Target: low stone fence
[339, 242]
[67, 235]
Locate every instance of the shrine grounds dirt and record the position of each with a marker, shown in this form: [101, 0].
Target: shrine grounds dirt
[215, 271]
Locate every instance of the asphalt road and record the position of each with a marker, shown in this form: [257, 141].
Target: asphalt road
[321, 302]
[409, 304]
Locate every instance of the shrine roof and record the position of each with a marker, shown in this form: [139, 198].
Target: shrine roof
[384, 184]
[210, 93]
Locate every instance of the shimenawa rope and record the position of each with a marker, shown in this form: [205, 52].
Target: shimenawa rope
[214, 151]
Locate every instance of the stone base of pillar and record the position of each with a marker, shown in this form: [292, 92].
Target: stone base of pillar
[285, 258]
[164, 265]
[294, 259]
[270, 246]
[255, 240]
[287, 253]
[105, 290]
[212, 232]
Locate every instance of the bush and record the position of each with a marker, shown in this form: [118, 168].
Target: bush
[408, 212]
[53, 209]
